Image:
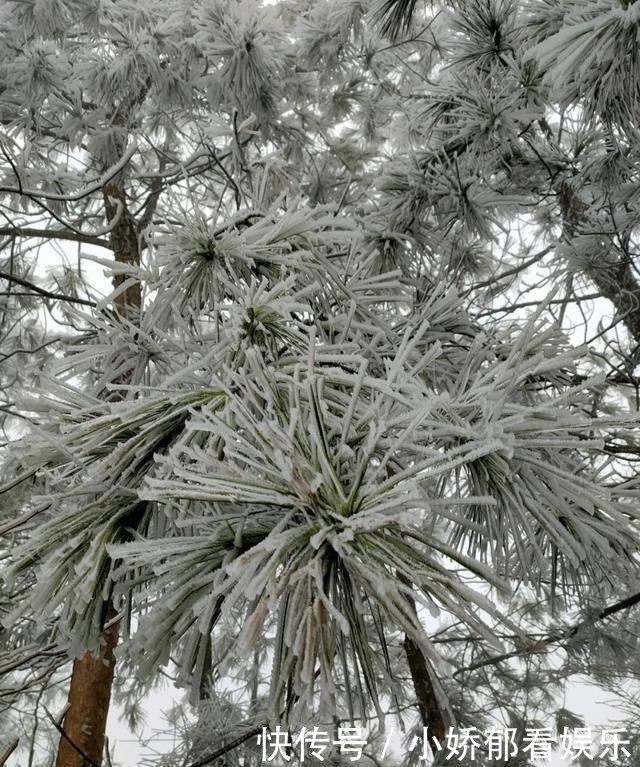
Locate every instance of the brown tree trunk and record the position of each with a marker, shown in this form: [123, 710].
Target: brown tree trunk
[85, 722]
[83, 735]
[124, 243]
[426, 696]
[422, 676]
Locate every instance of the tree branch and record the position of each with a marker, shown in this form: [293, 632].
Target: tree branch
[45, 293]
[90, 189]
[542, 644]
[53, 234]
[8, 751]
[512, 271]
[222, 750]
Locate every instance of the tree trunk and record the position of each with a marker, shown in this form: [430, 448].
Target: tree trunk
[426, 696]
[124, 243]
[89, 697]
[422, 675]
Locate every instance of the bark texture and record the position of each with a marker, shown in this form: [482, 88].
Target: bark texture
[89, 697]
[422, 675]
[125, 246]
[426, 696]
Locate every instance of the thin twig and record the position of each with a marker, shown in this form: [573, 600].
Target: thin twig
[64, 735]
[233, 744]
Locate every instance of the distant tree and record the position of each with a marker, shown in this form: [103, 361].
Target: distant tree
[347, 441]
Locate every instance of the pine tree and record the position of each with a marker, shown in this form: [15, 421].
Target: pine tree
[325, 439]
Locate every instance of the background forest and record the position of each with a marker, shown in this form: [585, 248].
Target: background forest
[348, 436]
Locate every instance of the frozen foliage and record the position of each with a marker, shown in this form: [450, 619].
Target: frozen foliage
[347, 454]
